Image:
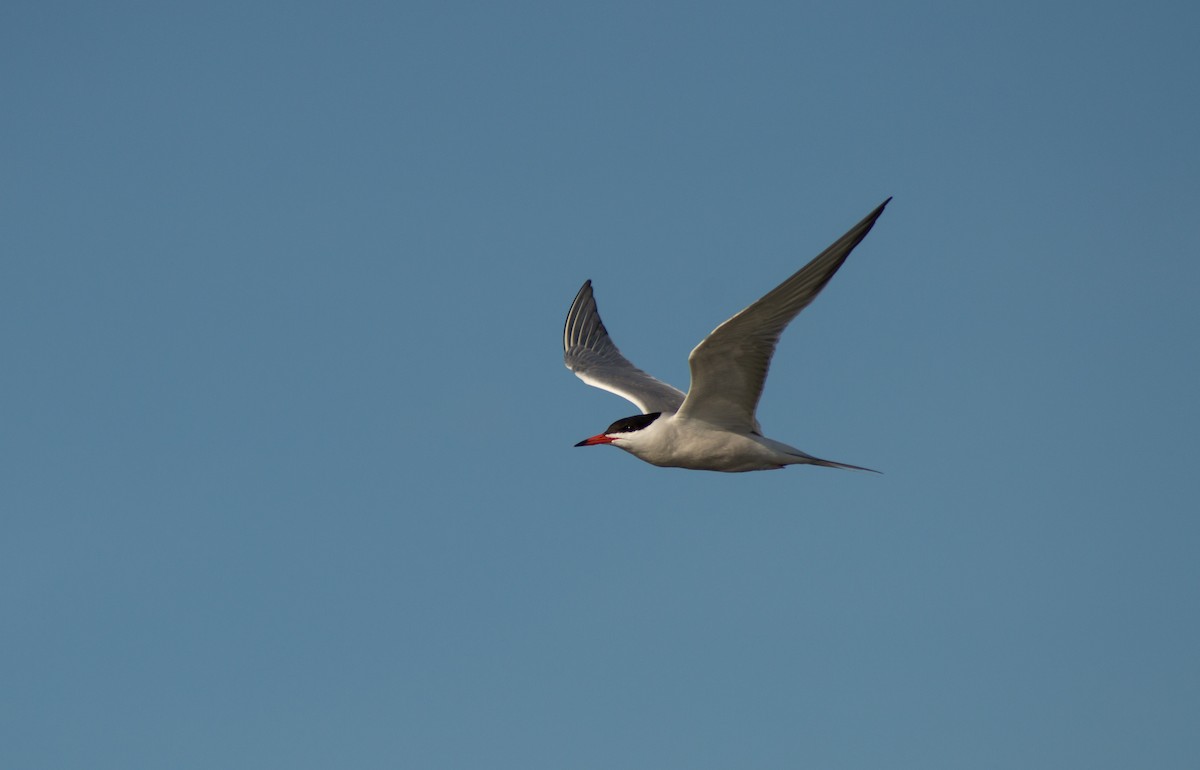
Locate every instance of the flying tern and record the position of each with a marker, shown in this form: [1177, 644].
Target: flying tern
[713, 426]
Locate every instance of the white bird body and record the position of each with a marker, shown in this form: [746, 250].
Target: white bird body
[713, 426]
[673, 441]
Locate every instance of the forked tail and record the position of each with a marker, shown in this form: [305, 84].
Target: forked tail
[803, 458]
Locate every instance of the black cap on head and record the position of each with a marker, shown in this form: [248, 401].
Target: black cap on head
[631, 424]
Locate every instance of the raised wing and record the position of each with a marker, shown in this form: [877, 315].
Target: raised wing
[730, 365]
[590, 353]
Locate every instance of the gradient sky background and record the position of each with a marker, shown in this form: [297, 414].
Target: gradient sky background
[287, 475]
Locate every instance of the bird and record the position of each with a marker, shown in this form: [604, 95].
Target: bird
[713, 426]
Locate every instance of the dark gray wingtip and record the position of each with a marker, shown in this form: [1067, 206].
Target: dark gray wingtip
[875, 214]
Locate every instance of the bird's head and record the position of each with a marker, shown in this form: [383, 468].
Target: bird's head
[622, 430]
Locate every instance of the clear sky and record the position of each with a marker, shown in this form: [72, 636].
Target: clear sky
[286, 464]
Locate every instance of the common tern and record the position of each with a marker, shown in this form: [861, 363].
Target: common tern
[713, 426]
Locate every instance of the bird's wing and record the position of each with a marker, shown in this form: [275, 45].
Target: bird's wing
[590, 353]
[730, 365]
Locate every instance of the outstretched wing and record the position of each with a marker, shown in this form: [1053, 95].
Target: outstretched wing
[590, 353]
[730, 365]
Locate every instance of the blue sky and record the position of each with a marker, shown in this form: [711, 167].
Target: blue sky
[287, 467]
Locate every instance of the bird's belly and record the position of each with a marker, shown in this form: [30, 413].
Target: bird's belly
[708, 450]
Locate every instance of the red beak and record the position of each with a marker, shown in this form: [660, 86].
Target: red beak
[594, 440]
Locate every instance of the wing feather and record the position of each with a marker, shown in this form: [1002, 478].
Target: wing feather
[730, 366]
[589, 352]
